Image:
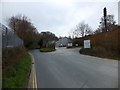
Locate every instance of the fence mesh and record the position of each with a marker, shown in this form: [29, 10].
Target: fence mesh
[9, 38]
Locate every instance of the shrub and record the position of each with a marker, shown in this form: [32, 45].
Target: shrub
[10, 56]
[16, 67]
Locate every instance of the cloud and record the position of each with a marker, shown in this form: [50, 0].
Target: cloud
[59, 1]
[59, 16]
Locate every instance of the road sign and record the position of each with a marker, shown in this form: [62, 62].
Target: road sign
[86, 43]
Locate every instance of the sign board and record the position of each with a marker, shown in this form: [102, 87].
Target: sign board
[86, 43]
[69, 44]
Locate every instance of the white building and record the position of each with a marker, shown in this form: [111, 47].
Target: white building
[63, 42]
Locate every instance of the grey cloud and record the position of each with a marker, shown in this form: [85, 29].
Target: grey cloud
[59, 18]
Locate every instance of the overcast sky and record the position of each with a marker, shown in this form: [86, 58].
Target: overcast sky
[59, 16]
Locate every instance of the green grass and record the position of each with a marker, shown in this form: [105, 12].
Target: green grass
[16, 76]
[47, 49]
[74, 47]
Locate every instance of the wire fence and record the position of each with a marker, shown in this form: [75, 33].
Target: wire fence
[9, 38]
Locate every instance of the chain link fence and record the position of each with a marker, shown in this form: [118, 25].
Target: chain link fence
[9, 38]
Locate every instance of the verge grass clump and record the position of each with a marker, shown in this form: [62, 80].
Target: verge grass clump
[16, 70]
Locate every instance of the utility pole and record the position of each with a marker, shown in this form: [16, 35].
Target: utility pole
[6, 36]
[105, 18]
[119, 13]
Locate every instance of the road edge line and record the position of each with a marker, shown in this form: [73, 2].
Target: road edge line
[33, 72]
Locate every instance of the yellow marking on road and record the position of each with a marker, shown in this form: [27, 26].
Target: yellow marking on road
[34, 80]
[34, 75]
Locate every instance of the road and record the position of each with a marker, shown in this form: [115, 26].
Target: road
[66, 68]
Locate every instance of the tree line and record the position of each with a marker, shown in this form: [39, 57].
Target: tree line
[25, 29]
[83, 29]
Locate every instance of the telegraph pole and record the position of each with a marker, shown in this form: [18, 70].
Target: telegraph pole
[105, 18]
[6, 36]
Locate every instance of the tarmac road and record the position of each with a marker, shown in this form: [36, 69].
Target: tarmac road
[66, 68]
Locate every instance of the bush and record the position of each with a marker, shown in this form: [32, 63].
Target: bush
[78, 41]
[87, 51]
[104, 44]
[47, 49]
[100, 52]
[10, 56]
[109, 40]
[16, 71]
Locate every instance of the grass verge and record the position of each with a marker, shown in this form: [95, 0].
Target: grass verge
[17, 74]
[47, 49]
[74, 47]
[100, 52]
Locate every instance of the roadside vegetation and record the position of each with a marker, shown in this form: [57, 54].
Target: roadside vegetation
[47, 49]
[105, 40]
[73, 47]
[25, 29]
[104, 44]
[16, 64]
[100, 52]
[47, 42]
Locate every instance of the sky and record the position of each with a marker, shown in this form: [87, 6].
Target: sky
[119, 13]
[59, 16]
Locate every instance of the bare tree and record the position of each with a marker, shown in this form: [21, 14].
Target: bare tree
[82, 30]
[12, 22]
[22, 26]
[110, 24]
